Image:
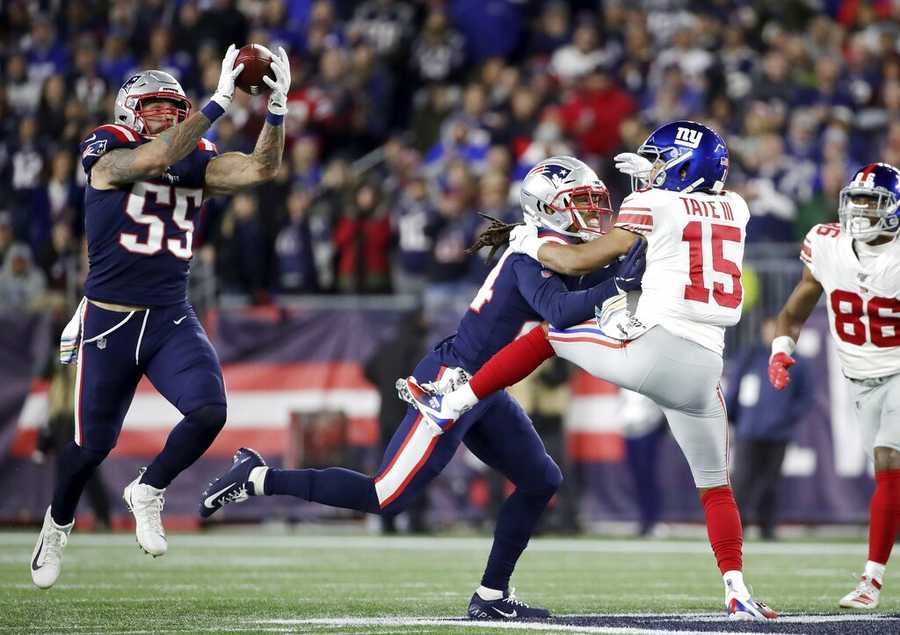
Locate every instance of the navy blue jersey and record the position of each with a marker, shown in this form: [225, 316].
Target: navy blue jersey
[140, 235]
[519, 290]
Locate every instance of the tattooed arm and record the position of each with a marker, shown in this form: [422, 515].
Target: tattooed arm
[127, 165]
[233, 171]
[149, 160]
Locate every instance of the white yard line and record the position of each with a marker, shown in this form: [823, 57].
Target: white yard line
[359, 622]
[548, 545]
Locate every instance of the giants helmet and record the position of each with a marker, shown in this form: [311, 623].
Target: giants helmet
[130, 109]
[870, 204]
[563, 194]
[686, 156]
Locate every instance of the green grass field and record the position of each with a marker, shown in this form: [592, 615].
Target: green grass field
[251, 581]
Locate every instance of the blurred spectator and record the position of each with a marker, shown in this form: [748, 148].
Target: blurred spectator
[361, 239]
[240, 248]
[594, 112]
[437, 53]
[800, 95]
[574, 61]
[295, 260]
[411, 217]
[764, 421]
[21, 283]
[823, 206]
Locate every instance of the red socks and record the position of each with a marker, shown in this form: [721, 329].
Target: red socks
[512, 363]
[884, 515]
[723, 524]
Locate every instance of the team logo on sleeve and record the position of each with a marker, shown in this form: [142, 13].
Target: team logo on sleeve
[94, 148]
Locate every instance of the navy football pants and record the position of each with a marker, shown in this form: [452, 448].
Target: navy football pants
[168, 345]
[496, 430]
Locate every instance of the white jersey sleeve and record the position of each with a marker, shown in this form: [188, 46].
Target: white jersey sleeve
[695, 249]
[862, 302]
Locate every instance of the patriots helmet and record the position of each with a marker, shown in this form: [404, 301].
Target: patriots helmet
[131, 109]
[869, 205]
[565, 195]
[686, 156]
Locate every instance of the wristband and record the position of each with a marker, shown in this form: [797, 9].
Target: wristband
[274, 120]
[212, 111]
[783, 344]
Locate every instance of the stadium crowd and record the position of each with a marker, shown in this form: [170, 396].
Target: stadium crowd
[408, 117]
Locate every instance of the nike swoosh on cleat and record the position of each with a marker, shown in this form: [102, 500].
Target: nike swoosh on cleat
[179, 320]
[508, 616]
[212, 498]
[34, 564]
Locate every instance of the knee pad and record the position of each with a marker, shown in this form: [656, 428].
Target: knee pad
[210, 417]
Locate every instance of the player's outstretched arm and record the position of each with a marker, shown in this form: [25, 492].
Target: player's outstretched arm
[573, 260]
[234, 171]
[149, 160]
[787, 327]
[799, 306]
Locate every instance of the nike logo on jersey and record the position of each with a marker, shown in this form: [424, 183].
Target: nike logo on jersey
[508, 616]
[208, 502]
[179, 320]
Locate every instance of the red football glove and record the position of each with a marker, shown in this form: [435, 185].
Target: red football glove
[779, 376]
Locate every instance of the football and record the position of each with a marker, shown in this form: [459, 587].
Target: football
[256, 59]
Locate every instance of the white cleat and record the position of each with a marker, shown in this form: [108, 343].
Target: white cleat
[864, 596]
[46, 560]
[146, 503]
[740, 606]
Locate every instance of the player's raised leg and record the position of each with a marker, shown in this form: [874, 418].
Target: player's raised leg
[105, 383]
[414, 456]
[506, 440]
[183, 366]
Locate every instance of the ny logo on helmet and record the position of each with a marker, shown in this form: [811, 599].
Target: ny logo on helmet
[688, 137]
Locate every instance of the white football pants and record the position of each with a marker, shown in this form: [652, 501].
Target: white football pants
[877, 407]
[681, 376]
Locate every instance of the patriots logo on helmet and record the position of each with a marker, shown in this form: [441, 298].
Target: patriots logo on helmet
[130, 82]
[553, 172]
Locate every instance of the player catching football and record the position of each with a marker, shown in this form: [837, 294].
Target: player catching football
[573, 204]
[856, 265]
[667, 344]
[148, 173]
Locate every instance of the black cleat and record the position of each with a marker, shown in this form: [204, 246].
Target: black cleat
[506, 608]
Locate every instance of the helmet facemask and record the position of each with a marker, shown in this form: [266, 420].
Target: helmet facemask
[589, 208]
[168, 107]
[868, 213]
[663, 160]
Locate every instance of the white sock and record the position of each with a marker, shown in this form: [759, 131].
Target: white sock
[489, 594]
[258, 478]
[875, 571]
[734, 580]
[461, 400]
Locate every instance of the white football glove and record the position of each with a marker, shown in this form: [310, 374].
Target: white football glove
[225, 90]
[281, 84]
[634, 165]
[523, 239]
[452, 379]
